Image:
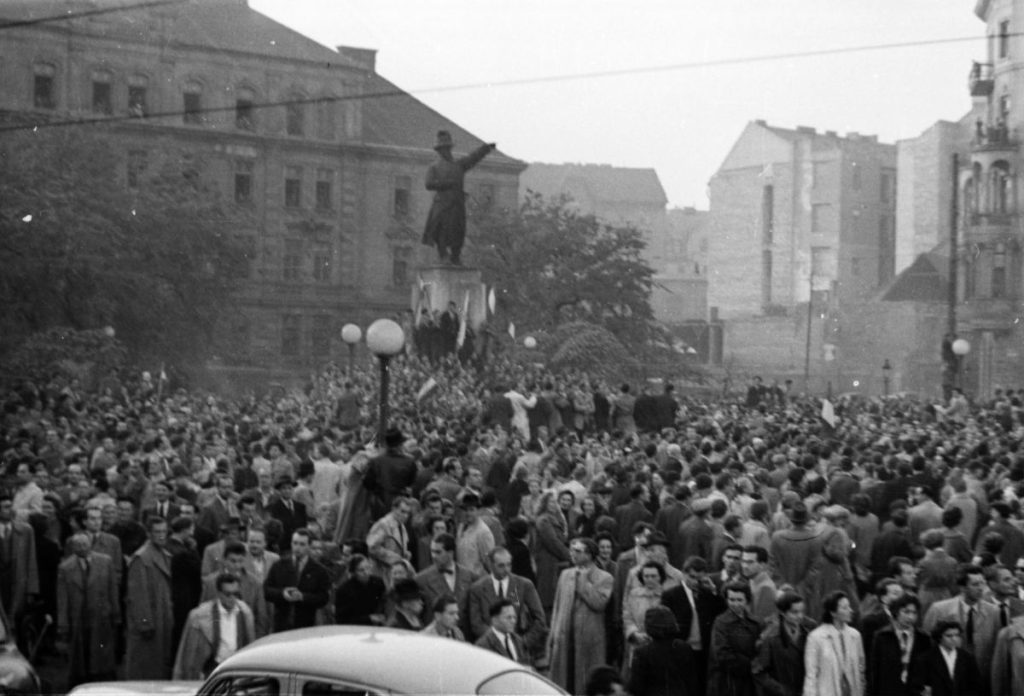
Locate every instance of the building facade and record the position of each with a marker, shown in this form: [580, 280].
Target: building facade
[990, 287]
[322, 160]
[802, 226]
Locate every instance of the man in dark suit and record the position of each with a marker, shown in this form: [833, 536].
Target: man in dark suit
[91, 520]
[531, 624]
[501, 636]
[388, 475]
[164, 504]
[220, 509]
[946, 668]
[297, 586]
[665, 407]
[895, 648]
[695, 536]
[445, 576]
[626, 516]
[888, 590]
[291, 514]
[696, 605]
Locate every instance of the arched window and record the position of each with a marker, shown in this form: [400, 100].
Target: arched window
[192, 104]
[44, 87]
[1002, 188]
[138, 88]
[102, 92]
[295, 114]
[245, 114]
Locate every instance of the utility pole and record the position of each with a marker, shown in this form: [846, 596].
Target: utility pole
[810, 318]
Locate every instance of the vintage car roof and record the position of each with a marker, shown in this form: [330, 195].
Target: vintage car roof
[136, 688]
[391, 659]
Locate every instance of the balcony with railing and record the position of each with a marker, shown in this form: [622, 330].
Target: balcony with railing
[981, 79]
[995, 138]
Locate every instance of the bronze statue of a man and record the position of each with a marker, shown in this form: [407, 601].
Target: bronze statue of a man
[446, 222]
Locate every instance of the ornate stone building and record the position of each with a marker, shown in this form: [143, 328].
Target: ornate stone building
[322, 159]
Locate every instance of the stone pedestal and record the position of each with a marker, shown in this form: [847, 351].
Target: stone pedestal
[435, 286]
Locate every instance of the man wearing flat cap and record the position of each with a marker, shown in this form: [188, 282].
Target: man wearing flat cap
[388, 475]
[446, 222]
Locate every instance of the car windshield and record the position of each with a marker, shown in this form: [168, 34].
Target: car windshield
[517, 682]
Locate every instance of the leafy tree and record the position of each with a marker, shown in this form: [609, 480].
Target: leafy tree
[593, 349]
[83, 355]
[81, 249]
[552, 264]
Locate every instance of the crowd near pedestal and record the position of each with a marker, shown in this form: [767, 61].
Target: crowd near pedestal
[605, 534]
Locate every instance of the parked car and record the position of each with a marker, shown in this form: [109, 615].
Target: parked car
[17, 676]
[350, 661]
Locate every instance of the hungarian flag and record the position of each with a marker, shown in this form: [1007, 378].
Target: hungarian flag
[828, 413]
[428, 386]
[512, 330]
[462, 322]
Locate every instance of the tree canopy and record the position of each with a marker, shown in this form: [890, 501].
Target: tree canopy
[551, 264]
[88, 240]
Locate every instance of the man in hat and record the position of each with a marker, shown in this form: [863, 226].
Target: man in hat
[291, 514]
[446, 221]
[794, 551]
[474, 540]
[389, 474]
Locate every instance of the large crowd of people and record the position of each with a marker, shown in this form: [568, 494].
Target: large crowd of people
[610, 537]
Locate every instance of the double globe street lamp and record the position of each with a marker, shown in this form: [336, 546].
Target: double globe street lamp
[385, 339]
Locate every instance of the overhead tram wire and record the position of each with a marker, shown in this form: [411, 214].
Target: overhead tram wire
[566, 77]
[18, 23]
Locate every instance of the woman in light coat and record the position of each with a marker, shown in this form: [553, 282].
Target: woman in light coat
[834, 657]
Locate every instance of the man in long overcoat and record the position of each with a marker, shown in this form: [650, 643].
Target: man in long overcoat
[149, 612]
[201, 649]
[446, 221]
[19, 572]
[576, 643]
[88, 612]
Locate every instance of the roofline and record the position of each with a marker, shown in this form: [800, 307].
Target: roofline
[70, 29]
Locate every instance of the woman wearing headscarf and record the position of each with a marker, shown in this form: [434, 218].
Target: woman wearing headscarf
[661, 665]
[551, 547]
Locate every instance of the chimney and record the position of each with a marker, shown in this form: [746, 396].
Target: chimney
[761, 122]
[806, 129]
[853, 135]
[365, 58]
[831, 134]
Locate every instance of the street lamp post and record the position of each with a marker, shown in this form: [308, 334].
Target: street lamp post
[886, 372]
[385, 339]
[961, 347]
[351, 335]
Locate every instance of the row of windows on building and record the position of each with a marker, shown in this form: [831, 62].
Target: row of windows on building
[821, 219]
[303, 116]
[303, 261]
[822, 177]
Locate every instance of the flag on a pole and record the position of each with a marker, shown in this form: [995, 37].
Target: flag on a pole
[462, 322]
[428, 386]
[512, 330]
[828, 413]
[492, 300]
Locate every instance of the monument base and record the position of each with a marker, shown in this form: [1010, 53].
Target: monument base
[436, 286]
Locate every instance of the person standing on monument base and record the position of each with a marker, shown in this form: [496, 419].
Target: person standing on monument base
[446, 221]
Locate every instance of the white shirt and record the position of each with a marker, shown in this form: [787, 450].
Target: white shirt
[950, 657]
[507, 642]
[694, 638]
[500, 585]
[228, 632]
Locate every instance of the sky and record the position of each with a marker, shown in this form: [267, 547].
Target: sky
[633, 83]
